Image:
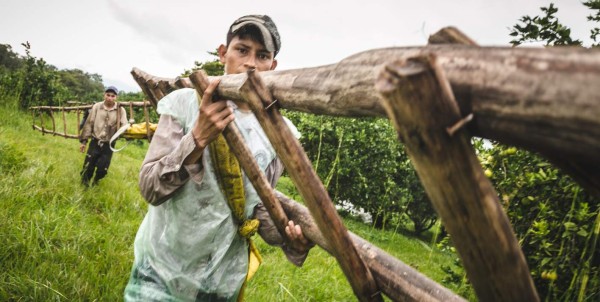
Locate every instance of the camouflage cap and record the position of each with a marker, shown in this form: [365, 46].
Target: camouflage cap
[265, 25]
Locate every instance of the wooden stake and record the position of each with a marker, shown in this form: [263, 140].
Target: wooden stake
[118, 115]
[236, 143]
[53, 122]
[147, 118]
[64, 118]
[420, 104]
[131, 110]
[42, 122]
[78, 122]
[312, 190]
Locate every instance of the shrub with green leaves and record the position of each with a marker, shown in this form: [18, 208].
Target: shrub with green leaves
[361, 161]
[554, 219]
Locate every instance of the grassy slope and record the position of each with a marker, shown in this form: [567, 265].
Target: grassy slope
[64, 243]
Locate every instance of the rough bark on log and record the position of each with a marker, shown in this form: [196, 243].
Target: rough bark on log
[541, 99]
[421, 106]
[138, 76]
[310, 187]
[450, 35]
[398, 281]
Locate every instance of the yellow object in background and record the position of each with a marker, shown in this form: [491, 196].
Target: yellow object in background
[139, 130]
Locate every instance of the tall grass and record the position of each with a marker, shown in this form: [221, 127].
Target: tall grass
[61, 242]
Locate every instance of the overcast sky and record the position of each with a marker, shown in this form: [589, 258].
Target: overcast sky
[161, 37]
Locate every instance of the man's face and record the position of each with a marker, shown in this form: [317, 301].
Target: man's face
[110, 97]
[243, 54]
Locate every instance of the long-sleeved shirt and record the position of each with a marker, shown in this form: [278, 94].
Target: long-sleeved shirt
[103, 122]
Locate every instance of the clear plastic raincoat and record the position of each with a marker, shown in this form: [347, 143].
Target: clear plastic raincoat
[188, 247]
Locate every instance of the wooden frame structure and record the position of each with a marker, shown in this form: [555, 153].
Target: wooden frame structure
[437, 97]
[37, 113]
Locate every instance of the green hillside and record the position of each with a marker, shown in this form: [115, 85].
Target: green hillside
[62, 242]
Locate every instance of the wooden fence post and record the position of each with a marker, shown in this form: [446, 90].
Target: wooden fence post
[419, 101]
[312, 190]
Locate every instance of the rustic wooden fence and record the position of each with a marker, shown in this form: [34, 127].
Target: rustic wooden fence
[437, 97]
[37, 113]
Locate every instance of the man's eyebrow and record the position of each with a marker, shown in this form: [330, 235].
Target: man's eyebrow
[249, 45]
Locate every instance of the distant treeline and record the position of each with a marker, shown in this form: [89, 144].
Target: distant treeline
[35, 82]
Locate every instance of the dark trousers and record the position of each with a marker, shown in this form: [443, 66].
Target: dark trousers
[97, 160]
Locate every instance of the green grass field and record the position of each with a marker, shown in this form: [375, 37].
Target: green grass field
[61, 242]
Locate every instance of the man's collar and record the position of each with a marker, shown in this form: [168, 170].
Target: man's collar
[114, 106]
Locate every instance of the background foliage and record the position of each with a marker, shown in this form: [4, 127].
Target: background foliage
[36, 83]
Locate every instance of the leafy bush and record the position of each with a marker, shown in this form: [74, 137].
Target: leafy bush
[35, 82]
[554, 220]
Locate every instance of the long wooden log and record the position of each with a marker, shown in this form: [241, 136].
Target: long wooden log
[397, 280]
[421, 105]
[541, 99]
[310, 187]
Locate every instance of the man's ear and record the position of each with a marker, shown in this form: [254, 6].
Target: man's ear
[273, 65]
[222, 50]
